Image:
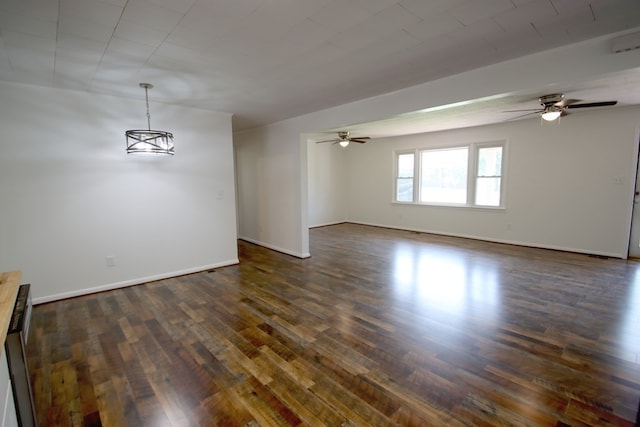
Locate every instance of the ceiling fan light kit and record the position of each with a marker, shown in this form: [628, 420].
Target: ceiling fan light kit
[553, 106]
[551, 114]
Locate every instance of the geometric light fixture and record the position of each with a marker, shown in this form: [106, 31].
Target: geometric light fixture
[149, 141]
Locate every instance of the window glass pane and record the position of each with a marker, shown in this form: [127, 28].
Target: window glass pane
[404, 190]
[490, 161]
[444, 176]
[404, 179]
[488, 191]
[405, 165]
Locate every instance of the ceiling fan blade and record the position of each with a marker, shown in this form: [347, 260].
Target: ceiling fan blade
[358, 140]
[524, 115]
[593, 104]
[537, 110]
[566, 102]
[328, 140]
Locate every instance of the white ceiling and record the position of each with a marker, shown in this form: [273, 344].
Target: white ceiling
[267, 60]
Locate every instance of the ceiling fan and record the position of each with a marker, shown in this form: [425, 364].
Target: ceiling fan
[554, 106]
[344, 139]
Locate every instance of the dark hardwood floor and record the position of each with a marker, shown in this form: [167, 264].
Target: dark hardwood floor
[380, 327]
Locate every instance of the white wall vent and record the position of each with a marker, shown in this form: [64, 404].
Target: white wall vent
[625, 43]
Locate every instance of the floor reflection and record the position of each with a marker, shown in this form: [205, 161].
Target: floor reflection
[450, 281]
[629, 336]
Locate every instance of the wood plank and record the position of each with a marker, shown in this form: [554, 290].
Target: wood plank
[379, 327]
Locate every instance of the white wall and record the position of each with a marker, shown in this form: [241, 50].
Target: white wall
[562, 187]
[271, 160]
[272, 186]
[327, 184]
[71, 196]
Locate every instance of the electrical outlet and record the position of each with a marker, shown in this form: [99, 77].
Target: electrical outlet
[111, 261]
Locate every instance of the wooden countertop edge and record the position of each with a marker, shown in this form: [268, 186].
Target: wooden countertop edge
[9, 284]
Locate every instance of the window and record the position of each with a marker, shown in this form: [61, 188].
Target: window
[469, 175]
[489, 176]
[443, 175]
[404, 177]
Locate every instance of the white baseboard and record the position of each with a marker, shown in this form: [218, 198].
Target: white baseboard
[327, 224]
[489, 239]
[124, 284]
[275, 248]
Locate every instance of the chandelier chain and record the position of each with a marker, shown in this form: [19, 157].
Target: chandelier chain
[146, 95]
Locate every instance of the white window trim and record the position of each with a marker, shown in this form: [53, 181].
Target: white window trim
[473, 166]
[396, 154]
[472, 175]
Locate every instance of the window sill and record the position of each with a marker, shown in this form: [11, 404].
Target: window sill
[445, 205]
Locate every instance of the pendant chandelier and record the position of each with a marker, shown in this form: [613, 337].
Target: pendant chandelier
[149, 141]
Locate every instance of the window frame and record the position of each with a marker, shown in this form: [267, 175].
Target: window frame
[457, 147]
[396, 177]
[472, 174]
[476, 168]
